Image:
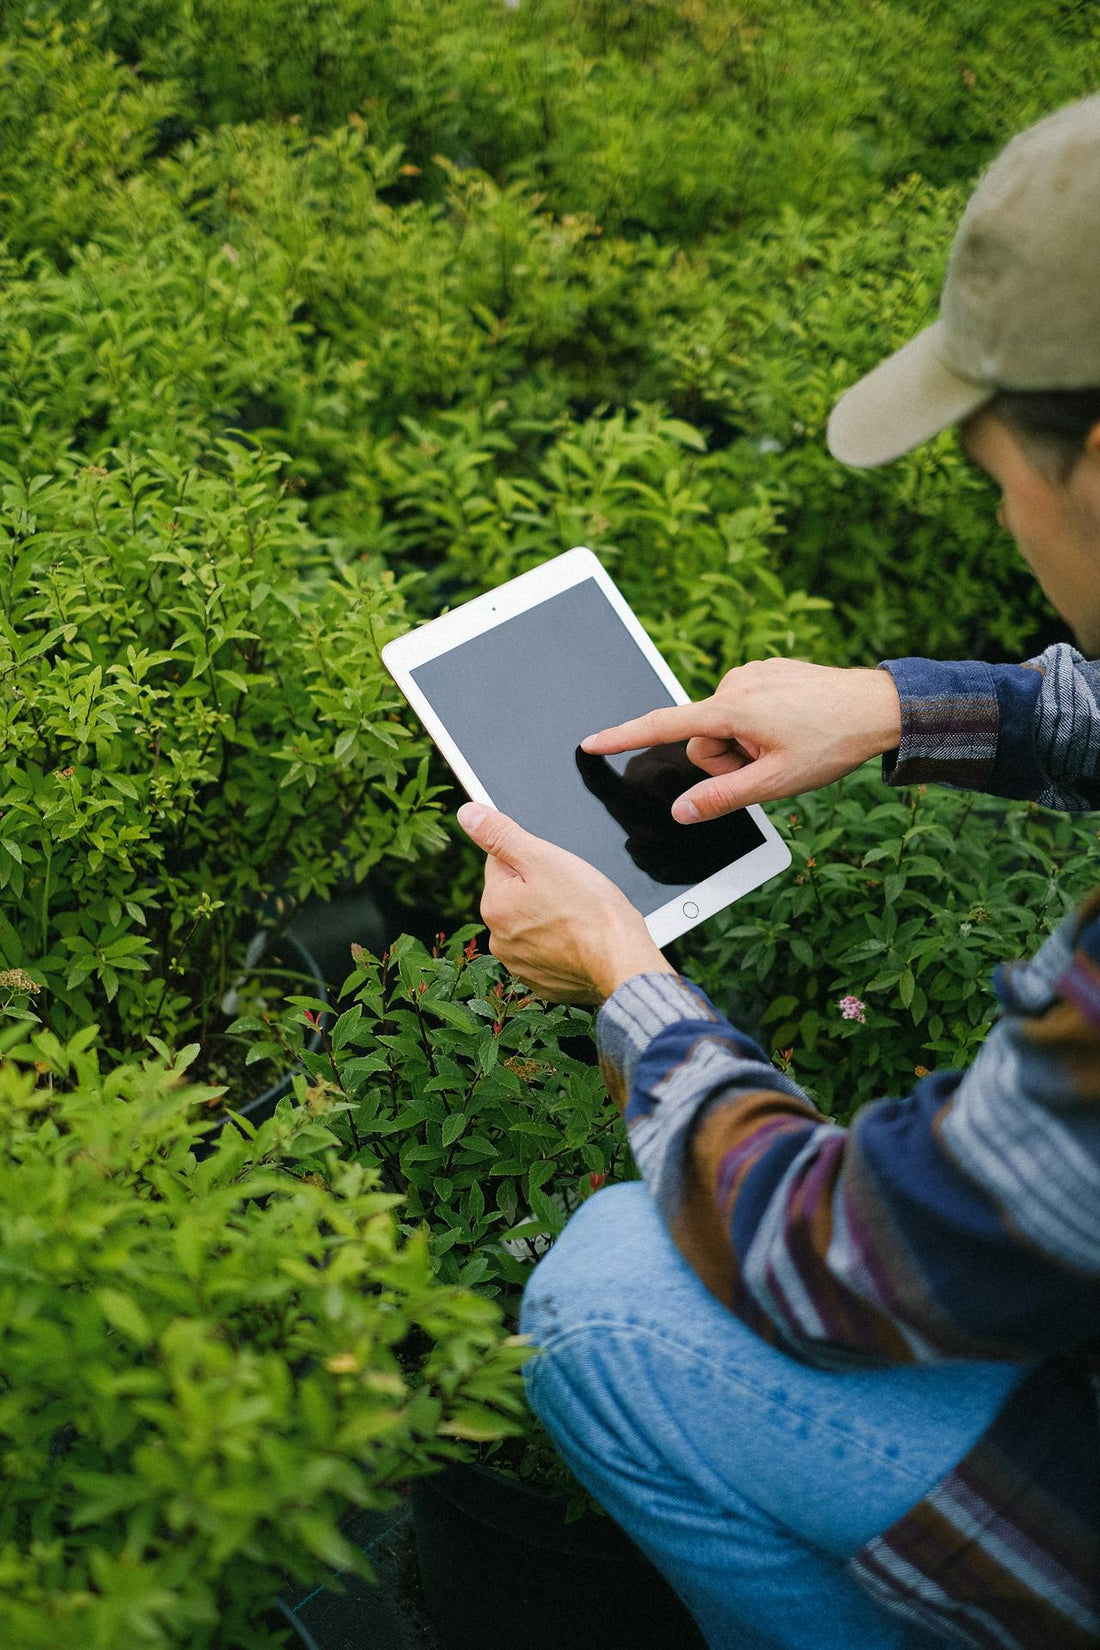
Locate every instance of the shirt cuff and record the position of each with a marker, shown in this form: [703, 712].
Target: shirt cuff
[638, 1010]
[950, 721]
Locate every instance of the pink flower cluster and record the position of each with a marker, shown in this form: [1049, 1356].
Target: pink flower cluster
[853, 1009]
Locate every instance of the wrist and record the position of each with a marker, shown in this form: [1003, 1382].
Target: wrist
[637, 955]
[884, 708]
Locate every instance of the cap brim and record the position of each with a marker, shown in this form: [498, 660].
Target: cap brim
[907, 399]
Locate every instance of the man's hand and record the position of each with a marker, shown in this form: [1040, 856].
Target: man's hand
[772, 728]
[556, 923]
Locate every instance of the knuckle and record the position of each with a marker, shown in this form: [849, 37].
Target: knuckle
[715, 801]
[492, 839]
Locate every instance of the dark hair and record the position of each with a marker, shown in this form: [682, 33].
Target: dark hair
[1053, 423]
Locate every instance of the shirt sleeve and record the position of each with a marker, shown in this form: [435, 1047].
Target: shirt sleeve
[957, 1222]
[1029, 730]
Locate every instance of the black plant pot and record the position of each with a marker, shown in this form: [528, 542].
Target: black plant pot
[294, 952]
[327, 929]
[286, 951]
[499, 1567]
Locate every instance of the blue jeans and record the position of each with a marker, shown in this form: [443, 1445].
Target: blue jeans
[748, 1478]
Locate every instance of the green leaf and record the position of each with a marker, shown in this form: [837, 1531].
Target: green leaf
[893, 887]
[452, 1014]
[124, 785]
[453, 1126]
[476, 1423]
[124, 1314]
[686, 434]
[488, 1052]
[321, 1537]
[262, 1051]
[779, 1008]
[346, 1026]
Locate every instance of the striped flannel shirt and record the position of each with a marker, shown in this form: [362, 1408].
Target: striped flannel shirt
[961, 1221]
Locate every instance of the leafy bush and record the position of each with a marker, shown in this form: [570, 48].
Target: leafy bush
[317, 318]
[767, 338]
[204, 1357]
[671, 116]
[481, 1107]
[903, 900]
[74, 126]
[639, 489]
[194, 715]
[467, 1097]
[467, 381]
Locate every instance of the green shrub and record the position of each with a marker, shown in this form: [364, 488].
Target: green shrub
[770, 336]
[673, 116]
[469, 1100]
[481, 1107]
[74, 126]
[193, 716]
[469, 381]
[640, 490]
[203, 1362]
[905, 900]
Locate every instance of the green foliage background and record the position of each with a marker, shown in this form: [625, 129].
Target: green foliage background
[436, 291]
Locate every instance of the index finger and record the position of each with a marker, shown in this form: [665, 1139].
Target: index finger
[656, 727]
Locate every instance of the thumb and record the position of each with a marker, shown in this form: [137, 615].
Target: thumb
[496, 834]
[759, 781]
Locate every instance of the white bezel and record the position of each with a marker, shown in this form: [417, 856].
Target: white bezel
[404, 655]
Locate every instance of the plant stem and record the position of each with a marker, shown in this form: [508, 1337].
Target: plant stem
[330, 1053]
[424, 1043]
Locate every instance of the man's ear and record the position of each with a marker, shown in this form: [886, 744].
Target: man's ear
[1092, 442]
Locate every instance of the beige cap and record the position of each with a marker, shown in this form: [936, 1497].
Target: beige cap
[1020, 308]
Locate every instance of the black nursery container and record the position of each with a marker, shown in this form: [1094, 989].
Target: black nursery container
[499, 1567]
[288, 950]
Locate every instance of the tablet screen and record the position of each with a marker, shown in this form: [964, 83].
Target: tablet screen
[518, 700]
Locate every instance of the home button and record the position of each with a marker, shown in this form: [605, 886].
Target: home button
[691, 909]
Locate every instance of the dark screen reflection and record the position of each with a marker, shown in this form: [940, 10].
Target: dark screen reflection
[640, 799]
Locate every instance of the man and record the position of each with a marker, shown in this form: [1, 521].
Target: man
[841, 1384]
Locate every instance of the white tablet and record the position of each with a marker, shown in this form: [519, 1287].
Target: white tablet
[510, 683]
